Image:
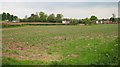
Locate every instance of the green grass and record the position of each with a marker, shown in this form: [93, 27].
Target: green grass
[11, 61]
[61, 45]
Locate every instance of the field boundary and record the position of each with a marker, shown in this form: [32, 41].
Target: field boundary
[11, 24]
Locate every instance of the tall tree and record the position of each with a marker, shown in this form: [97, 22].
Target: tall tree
[4, 16]
[59, 18]
[8, 16]
[11, 18]
[51, 18]
[93, 18]
[15, 17]
[43, 16]
[113, 18]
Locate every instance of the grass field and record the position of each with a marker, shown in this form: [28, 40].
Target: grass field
[61, 45]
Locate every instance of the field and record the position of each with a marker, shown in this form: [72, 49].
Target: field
[60, 45]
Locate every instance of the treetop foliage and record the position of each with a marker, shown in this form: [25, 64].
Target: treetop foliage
[8, 17]
[43, 17]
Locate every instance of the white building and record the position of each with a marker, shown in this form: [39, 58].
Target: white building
[97, 22]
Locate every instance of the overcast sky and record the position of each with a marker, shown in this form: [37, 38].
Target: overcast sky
[68, 9]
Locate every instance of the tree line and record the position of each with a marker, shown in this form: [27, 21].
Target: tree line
[114, 19]
[58, 18]
[42, 17]
[86, 21]
[7, 17]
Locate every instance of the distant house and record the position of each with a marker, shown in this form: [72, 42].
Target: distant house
[65, 21]
[106, 21]
[99, 22]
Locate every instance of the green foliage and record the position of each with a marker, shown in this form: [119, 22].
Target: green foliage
[43, 17]
[8, 17]
[59, 18]
[4, 16]
[74, 21]
[93, 18]
[114, 19]
[86, 21]
[118, 20]
[15, 17]
[51, 18]
[11, 18]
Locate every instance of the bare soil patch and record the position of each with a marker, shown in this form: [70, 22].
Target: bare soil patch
[28, 52]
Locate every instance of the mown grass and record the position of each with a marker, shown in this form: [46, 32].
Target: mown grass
[61, 45]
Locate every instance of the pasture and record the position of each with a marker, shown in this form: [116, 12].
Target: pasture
[60, 45]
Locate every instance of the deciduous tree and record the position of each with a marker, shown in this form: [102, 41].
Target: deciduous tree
[51, 18]
[93, 18]
[4, 16]
[59, 18]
